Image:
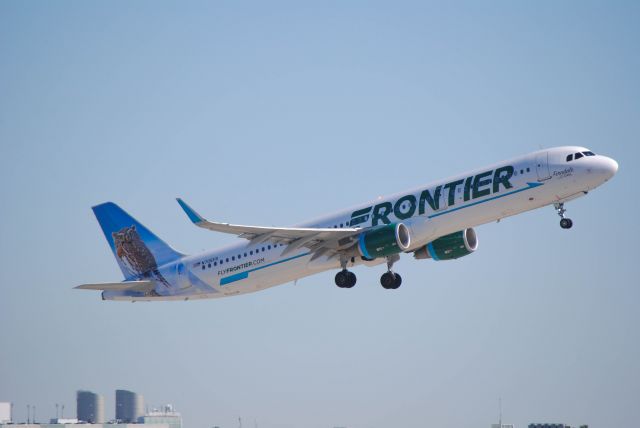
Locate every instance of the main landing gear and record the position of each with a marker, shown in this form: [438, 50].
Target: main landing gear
[345, 279]
[565, 223]
[391, 280]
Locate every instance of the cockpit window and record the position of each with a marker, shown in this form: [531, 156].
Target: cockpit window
[578, 156]
[588, 153]
[569, 158]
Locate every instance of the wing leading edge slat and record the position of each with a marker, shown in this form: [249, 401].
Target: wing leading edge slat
[296, 237]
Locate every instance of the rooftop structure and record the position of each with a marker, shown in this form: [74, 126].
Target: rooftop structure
[5, 413]
[554, 426]
[73, 425]
[165, 415]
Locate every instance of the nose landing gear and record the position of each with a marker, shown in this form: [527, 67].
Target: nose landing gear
[565, 223]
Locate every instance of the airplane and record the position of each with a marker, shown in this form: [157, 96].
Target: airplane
[435, 221]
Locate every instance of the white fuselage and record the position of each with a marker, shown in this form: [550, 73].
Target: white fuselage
[463, 201]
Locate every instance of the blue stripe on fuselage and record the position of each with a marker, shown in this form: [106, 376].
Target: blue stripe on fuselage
[245, 275]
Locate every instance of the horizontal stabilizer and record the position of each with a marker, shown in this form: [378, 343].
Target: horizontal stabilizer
[119, 286]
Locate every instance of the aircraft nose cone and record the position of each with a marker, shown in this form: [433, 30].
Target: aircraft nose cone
[609, 166]
[604, 168]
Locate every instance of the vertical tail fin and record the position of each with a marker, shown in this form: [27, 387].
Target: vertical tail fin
[136, 249]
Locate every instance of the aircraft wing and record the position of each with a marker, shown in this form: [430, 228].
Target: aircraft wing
[321, 241]
[144, 286]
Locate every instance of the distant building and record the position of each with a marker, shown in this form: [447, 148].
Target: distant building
[548, 426]
[554, 426]
[5, 413]
[502, 426]
[129, 406]
[83, 426]
[165, 415]
[90, 407]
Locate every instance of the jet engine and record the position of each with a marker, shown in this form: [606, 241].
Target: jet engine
[384, 240]
[448, 247]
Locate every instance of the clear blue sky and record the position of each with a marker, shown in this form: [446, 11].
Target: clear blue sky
[271, 113]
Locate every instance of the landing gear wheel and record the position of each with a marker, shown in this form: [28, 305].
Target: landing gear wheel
[398, 281]
[341, 279]
[352, 279]
[390, 280]
[566, 223]
[345, 279]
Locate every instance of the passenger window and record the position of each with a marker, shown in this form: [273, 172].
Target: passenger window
[215, 263]
[528, 170]
[569, 158]
[578, 156]
[251, 253]
[227, 260]
[209, 265]
[263, 249]
[268, 247]
[202, 267]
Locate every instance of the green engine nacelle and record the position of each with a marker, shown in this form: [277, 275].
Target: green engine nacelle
[449, 247]
[384, 241]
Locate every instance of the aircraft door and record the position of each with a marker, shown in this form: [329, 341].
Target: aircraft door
[542, 166]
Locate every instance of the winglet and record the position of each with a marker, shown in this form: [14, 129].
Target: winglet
[193, 216]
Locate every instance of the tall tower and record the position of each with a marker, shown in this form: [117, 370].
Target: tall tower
[129, 406]
[90, 407]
